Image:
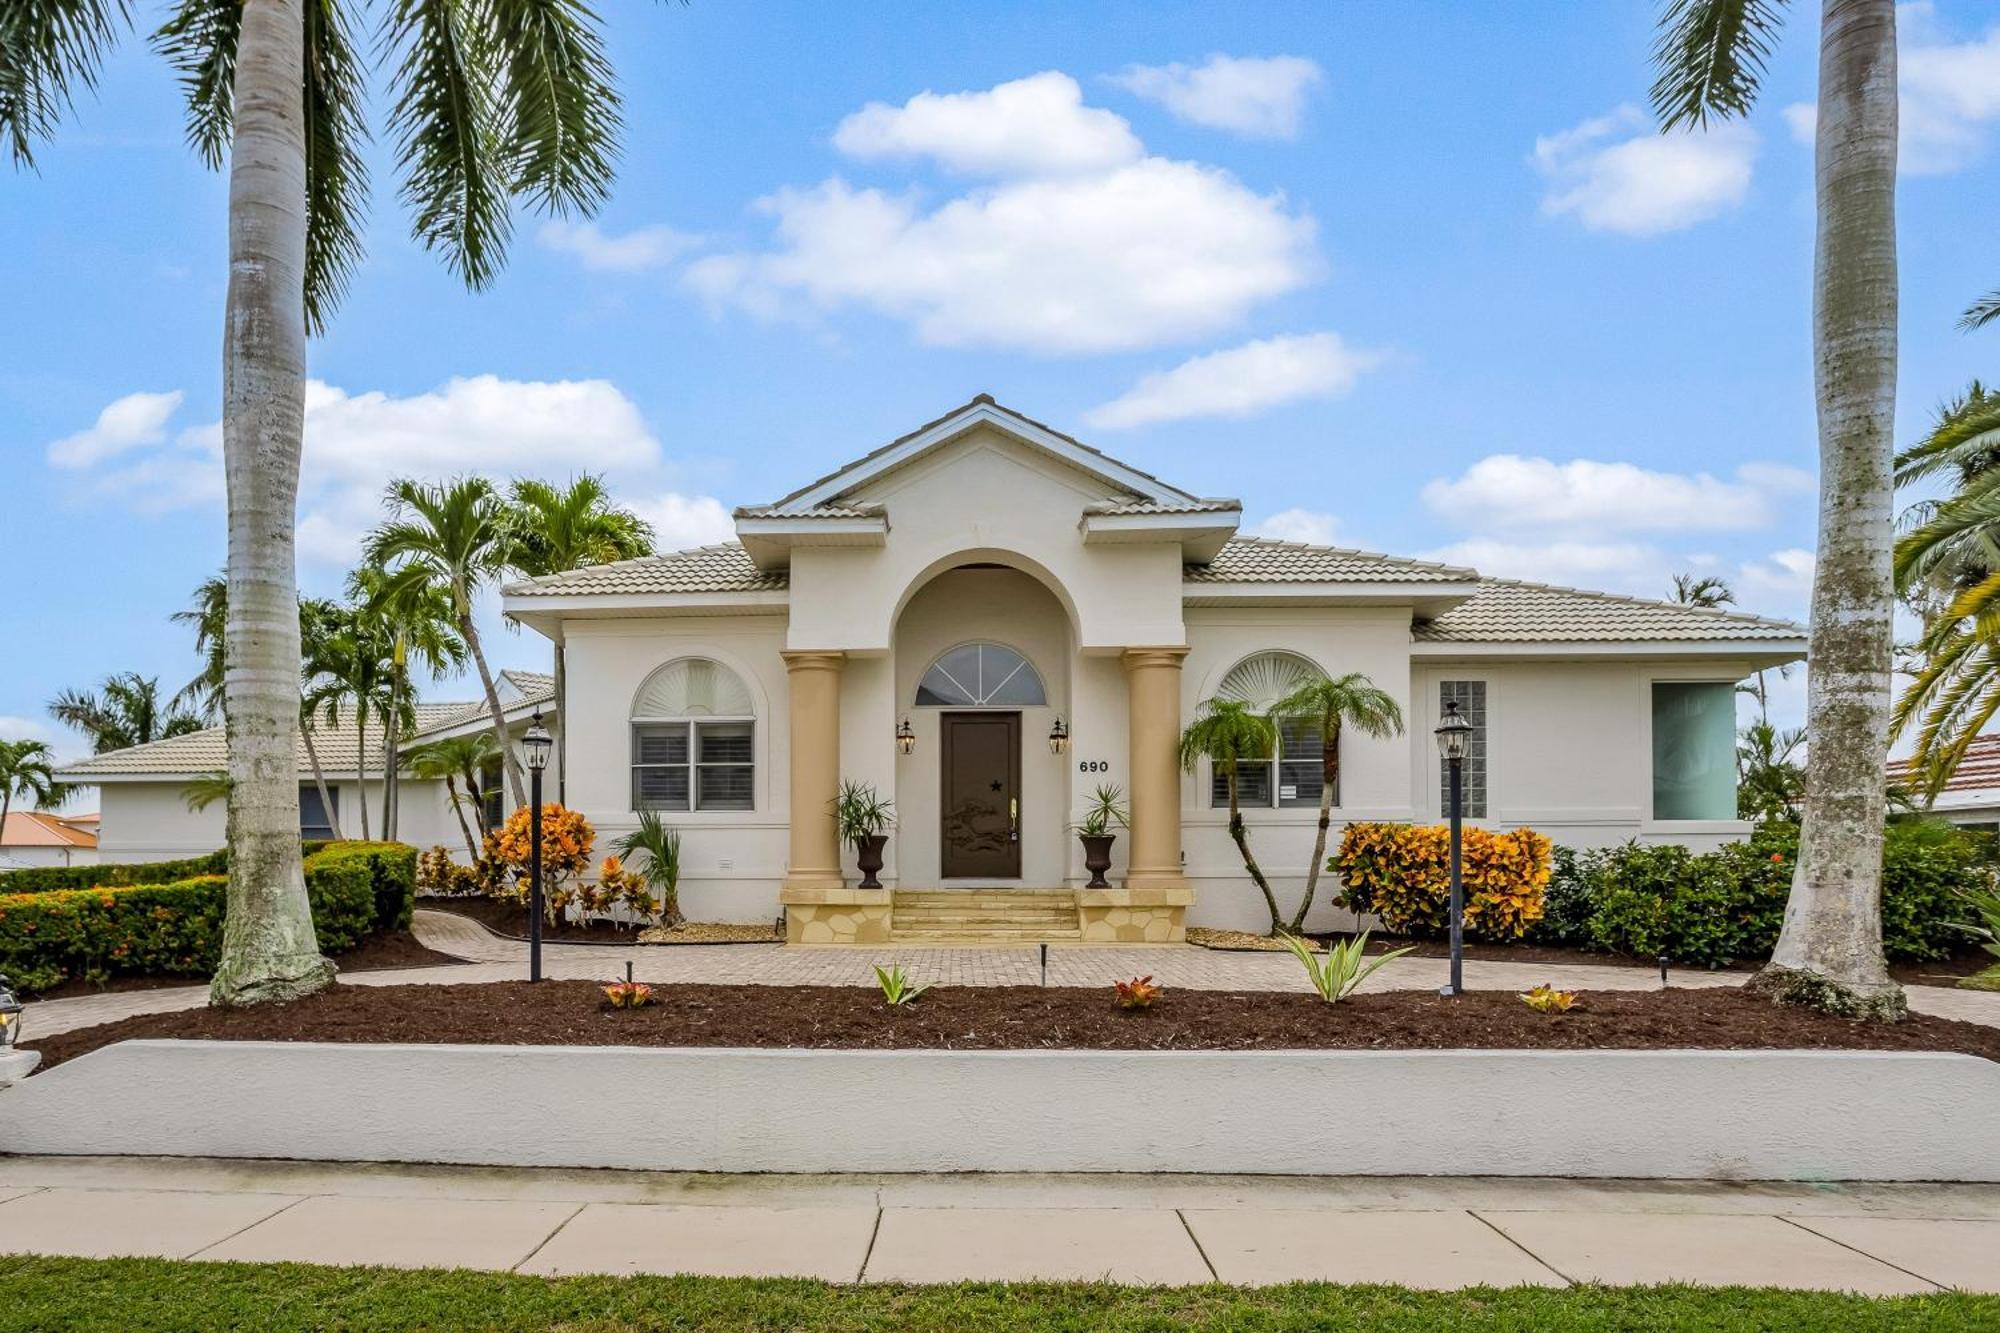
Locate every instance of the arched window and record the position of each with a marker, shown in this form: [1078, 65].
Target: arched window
[1294, 776]
[981, 675]
[694, 739]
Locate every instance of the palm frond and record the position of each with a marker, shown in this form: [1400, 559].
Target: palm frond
[448, 132]
[559, 103]
[1981, 312]
[1709, 58]
[49, 49]
[199, 41]
[336, 175]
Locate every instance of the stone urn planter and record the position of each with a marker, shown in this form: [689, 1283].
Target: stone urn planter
[868, 857]
[1097, 857]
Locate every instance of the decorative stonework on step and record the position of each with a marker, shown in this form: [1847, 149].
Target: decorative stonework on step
[836, 916]
[1134, 916]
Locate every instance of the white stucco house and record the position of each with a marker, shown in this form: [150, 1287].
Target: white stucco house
[1971, 797]
[922, 618]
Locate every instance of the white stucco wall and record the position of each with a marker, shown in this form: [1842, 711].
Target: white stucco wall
[150, 821]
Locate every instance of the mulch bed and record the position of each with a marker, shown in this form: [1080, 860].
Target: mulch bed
[1030, 1018]
[379, 952]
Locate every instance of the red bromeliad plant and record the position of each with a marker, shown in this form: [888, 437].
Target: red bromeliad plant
[1138, 993]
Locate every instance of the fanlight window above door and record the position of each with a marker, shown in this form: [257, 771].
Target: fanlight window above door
[981, 675]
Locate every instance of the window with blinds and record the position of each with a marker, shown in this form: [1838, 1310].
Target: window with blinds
[694, 739]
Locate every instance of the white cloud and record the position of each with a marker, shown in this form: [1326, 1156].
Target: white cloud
[1033, 126]
[1606, 566]
[1240, 381]
[635, 251]
[1784, 575]
[1509, 491]
[680, 521]
[131, 422]
[27, 729]
[1618, 173]
[1083, 244]
[356, 442]
[1300, 525]
[1949, 92]
[1262, 97]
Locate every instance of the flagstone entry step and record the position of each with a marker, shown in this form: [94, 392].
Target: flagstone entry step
[984, 916]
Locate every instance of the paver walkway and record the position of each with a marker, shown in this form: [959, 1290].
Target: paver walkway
[1145, 1229]
[492, 958]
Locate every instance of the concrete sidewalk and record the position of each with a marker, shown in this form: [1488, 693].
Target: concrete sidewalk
[1167, 1230]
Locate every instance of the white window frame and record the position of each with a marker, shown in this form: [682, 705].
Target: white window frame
[693, 764]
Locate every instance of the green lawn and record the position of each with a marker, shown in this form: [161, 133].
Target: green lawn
[134, 1294]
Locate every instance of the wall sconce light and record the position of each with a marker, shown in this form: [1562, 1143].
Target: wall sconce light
[906, 738]
[1058, 737]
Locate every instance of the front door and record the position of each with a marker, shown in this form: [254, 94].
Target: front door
[982, 795]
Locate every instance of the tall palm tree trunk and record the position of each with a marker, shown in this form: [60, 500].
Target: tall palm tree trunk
[269, 950]
[457, 808]
[319, 781]
[1241, 837]
[361, 763]
[1329, 775]
[1830, 951]
[508, 762]
[389, 765]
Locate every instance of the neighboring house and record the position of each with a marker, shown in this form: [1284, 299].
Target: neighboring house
[142, 799]
[44, 838]
[985, 578]
[1971, 799]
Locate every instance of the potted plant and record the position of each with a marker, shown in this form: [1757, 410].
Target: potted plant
[1106, 809]
[864, 818]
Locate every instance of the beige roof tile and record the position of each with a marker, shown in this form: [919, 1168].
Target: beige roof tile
[725, 567]
[1268, 560]
[203, 751]
[1509, 611]
[1157, 507]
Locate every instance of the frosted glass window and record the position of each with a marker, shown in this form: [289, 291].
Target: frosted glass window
[1694, 750]
[981, 675]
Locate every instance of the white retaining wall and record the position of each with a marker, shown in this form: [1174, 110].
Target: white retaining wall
[1655, 1114]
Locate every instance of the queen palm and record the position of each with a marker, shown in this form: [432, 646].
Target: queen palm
[27, 773]
[1705, 591]
[1332, 704]
[1710, 57]
[450, 759]
[416, 618]
[208, 616]
[488, 103]
[454, 538]
[557, 529]
[1229, 733]
[122, 712]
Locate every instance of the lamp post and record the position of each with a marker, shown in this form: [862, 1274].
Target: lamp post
[535, 747]
[1454, 738]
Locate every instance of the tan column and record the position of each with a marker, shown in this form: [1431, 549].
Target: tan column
[815, 679]
[1153, 698]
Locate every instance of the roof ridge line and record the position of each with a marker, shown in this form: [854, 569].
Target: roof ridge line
[1633, 599]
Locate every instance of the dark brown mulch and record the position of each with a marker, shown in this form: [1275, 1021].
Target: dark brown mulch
[379, 952]
[512, 921]
[1029, 1017]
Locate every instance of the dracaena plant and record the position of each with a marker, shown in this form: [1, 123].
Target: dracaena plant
[862, 812]
[1105, 811]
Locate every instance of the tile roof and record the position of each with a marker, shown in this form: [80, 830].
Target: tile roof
[38, 828]
[1510, 611]
[1268, 560]
[1155, 507]
[535, 689]
[1977, 771]
[203, 751]
[817, 511]
[725, 567]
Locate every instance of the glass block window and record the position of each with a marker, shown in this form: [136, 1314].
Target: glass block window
[1293, 776]
[981, 675]
[694, 739]
[1694, 750]
[1470, 696]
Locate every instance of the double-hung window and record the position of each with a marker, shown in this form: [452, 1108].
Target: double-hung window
[694, 739]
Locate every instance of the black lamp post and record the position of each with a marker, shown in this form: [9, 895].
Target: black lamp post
[535, 747]
[1454, 738]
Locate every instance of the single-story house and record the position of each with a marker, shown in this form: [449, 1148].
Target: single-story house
[142, 791]
[986, 619]
[47, 838]
[1970, 798]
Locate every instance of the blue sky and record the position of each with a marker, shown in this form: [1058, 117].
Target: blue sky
[1414, 277]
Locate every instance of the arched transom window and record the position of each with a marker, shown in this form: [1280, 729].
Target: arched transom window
[694, 731]
[1295, 775]
[981, 675]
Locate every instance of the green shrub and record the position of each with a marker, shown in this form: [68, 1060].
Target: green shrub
[1569, 900]
[175, 928]
[56, 879]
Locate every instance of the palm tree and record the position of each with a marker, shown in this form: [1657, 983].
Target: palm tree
[661, 846]
[1769, 782]
[27, 771]
[455, 537]
[320, 619]
[489, 103]
[1710, 58]
[450, 759]
[416, 618]
[123, 712]
[1981, 312]
[354, 671]
[554, 530]
[1331, 704]
[208, 616]
[1707, 591]
[1228, 732]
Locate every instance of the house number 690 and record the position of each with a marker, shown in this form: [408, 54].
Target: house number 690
[1093, 766]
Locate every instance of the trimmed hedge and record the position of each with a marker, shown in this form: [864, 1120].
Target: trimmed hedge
[355, 888]
[57, 879]
[1715, 909]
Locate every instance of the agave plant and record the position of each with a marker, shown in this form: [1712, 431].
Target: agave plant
[1344, 967]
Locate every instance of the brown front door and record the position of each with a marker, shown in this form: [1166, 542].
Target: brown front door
[982, 795]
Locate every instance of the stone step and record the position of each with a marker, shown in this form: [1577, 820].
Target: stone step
[1002, 898]
[963, 924]
[986, 937]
